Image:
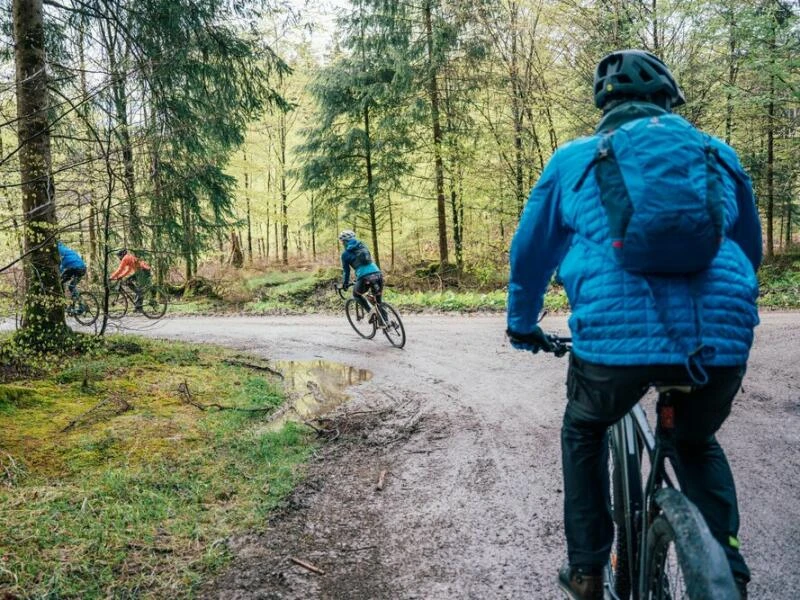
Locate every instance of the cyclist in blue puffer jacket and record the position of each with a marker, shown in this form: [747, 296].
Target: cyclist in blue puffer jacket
[72, 268]
[357, 256]
[630, 330]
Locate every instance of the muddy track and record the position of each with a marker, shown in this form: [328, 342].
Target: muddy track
[468, 432]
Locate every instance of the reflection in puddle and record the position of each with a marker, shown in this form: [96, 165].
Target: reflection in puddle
[314, 388]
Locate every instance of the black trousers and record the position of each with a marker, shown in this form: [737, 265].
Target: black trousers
[374, 281]
[139, 283]
[73, 276]
[598, 396]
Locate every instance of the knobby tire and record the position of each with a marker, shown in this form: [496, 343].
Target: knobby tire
[684, 561]
[91, 308]
[356, 315]
[117, 305]
[394, 330]
[154, 304]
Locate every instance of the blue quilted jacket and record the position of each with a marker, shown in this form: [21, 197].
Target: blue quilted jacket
[619, 318]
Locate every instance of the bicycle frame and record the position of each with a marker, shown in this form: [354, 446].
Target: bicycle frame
[369, 297]
[632, 435]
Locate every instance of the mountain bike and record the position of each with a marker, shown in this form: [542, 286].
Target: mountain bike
[367, 323]
[154, 301]
[83, 307]
[663, 548]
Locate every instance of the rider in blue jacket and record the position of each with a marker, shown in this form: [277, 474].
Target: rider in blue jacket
[624, 326]
[357, 256]
[72, 267]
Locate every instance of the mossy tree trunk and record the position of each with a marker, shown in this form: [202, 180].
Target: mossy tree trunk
[43, 313]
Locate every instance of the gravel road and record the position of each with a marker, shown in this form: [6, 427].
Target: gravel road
[471, 506]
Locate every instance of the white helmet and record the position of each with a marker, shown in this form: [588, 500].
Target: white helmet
[347, 235]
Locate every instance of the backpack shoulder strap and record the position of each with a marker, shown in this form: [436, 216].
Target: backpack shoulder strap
[604, 150]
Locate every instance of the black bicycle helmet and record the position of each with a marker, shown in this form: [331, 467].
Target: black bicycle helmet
[635, 74]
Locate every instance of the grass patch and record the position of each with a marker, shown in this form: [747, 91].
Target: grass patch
[274, 278]
[112, 486]
[779, 282]
[453, 301]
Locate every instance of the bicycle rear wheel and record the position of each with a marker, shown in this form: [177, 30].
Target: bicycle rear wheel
[393, 330]
[626, 504]
[85, 308]
[155, 303]
[117, 305]
[358, 319]
[683, 560]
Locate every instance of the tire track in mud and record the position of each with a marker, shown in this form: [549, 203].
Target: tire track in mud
[471, 506]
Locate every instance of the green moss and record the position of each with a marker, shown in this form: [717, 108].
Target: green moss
[127, 488]
[14, 397]
[779, 282]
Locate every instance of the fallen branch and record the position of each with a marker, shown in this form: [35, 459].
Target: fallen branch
[381, 480]
[253, 366]
[183, 390]
[331, 434]
[122, 406]
[306, 565]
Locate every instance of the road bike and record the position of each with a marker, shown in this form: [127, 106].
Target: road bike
[82, 306]
[366, 323]
[154, 301]
[663, 548]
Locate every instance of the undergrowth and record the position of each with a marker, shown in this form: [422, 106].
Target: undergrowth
[114, 485]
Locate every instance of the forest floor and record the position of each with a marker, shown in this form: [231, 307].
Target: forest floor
[461, 435]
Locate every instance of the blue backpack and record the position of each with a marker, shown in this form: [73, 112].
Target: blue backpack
[661, 189]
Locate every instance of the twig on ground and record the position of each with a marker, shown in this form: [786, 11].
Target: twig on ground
[427, 451]
[183, 390]
[306, 565]
[254, 367]
[331, 434]
[12, 469]
[381, 480]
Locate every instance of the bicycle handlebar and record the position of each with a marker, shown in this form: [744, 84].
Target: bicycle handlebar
[340, 290]
[560, 345]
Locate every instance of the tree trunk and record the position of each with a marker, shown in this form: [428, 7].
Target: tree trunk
[373, 223]
[237, 258]
[433, 93]
[122, 131]
[731, 74]
[249, 221]
[313, 230]
[391, 228]
[284, 195]
[43, 312]
[516, 114]
[770, 212]
[187, 239]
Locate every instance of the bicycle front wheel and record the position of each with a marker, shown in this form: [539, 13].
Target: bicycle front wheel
[358, 319]
[683, 560]
[155, 303]
[393, 327]
[85, 308]
[117, 305]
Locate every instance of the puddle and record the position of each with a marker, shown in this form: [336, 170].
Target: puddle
[314, 388]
